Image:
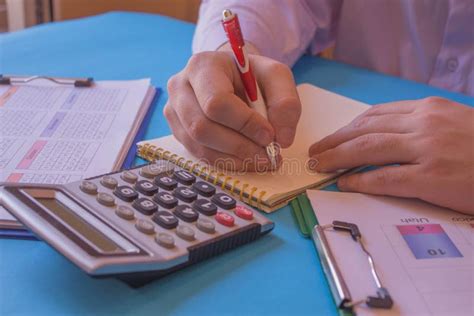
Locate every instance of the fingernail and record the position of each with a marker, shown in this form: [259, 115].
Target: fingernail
[285, 136]
[264, 137]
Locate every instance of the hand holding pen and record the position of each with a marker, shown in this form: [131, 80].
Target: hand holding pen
[231, 25]
[207, 112]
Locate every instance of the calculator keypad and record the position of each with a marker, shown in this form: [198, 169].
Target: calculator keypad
[206, 225]
[185, 194]
[184, 177]
[105, 199]
[165, 182]
[186, 213]
[125, 193]
[145, 226]
[165, 219]
[205, 189]
[88, 187]
[145, 206]
[224, 201]
[166, 200]
[185, 232]
[109, 182]
[125, 212]
[129, 176]
[205, 207]
[146, 187]
[166, 209]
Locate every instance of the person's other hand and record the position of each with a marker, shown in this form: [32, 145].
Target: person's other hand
[208, 114]
[431, 141]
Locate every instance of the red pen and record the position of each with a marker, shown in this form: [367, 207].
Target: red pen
[231, 25]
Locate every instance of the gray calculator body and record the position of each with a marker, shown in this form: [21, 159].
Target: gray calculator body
[136, 224]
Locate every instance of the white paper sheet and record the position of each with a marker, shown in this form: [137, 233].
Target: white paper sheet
[58, 134]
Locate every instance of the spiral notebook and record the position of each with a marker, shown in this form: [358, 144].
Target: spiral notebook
[323, 113]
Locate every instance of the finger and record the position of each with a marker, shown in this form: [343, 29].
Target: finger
[209, 133]
[369, 149]
[390, 123]
[279, 91]
[215, 92]
[390, 180]
[398, 107]
[210, 156]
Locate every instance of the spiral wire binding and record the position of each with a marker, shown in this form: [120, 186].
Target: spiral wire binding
[254, 197]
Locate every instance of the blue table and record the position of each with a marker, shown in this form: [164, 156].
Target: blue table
[279, 274]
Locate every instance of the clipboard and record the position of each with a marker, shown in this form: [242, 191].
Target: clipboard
[310, 228]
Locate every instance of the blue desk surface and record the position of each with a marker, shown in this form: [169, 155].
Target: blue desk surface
[279, 274]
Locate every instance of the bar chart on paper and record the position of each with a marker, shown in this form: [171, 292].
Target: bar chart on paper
[428, 241]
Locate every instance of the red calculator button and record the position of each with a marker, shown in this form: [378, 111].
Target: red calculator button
[243, 212]
[225, 219]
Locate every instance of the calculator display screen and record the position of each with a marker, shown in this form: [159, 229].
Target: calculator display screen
[78, 224]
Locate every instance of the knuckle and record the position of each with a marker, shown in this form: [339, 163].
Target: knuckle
[279, 68]
[172, 84]
[361, 122]
[212, 107]
[434, 101]
[196, 60]
[197, 129]
[167, 111]
[366, 142]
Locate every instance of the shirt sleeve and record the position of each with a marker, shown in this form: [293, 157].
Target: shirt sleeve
[281, 29]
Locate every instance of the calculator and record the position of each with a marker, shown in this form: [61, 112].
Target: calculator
[137, 224]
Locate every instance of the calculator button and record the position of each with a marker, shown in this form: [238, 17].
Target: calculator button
[185, 232]
[165, 219]
[145, 206]
[165, 240]
[146, 187]
[166, 182]
[204, 188]
[225, 219]
[243, 212]
[152, 170]
[186, 213]
[165, 199]
[184, 177]
[205, 225]
[205, 207]
[185, 194]
[88, 187]
[129, 176]
[125, 193]
[109, 182]
[105, 199]
[125, 212]
[145, 226]
[224, 201]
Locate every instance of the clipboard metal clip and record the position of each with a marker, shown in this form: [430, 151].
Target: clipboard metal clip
[336, 281]
[76, 82]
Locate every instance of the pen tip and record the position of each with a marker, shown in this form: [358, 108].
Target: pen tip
[227, 15]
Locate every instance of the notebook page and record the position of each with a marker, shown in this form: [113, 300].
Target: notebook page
[57, 134]
[323, 113]
[424, 254]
